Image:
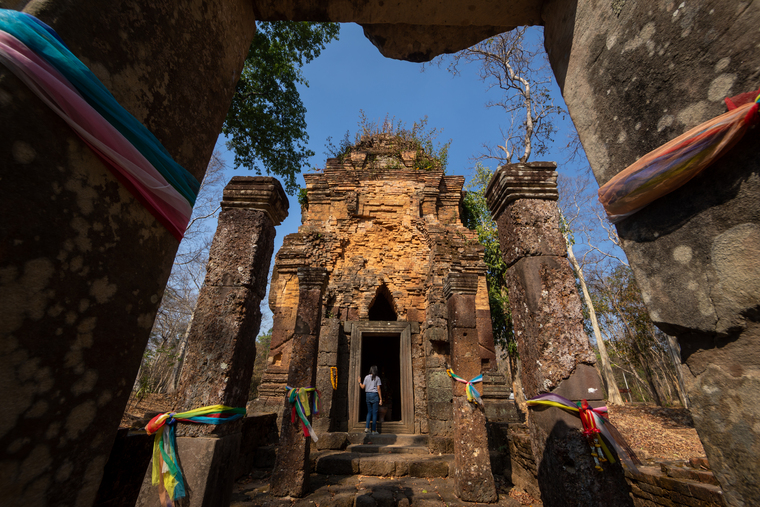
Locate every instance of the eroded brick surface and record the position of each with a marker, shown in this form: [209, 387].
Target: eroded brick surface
[381, 228]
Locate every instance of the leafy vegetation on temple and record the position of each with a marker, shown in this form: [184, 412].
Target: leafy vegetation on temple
[303, 197]
[421, 139]
[266, 123]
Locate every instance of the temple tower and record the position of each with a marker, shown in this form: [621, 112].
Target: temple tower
[384, 221]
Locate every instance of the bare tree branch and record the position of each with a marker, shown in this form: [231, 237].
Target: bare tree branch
[506, 62]
[209, 215]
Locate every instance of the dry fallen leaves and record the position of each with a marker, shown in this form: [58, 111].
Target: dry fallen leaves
[661, 433]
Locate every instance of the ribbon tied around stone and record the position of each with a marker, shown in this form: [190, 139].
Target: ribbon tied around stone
[299, 398]
[473, 396]
[595, 425]
[166, 473]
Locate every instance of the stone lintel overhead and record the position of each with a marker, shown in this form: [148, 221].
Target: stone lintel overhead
[416, 32]
[477, 13]
[421, 43]
[257, 192]
[532, 180]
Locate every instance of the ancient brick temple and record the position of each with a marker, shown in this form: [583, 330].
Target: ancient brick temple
[388, 234]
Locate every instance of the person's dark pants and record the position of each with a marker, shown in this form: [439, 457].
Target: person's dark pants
[373, 400]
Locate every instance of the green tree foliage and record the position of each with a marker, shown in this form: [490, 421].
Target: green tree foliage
[263, 341]
[266, 123]
[477, 217]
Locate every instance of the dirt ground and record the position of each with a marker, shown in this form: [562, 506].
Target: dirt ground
[657, 433]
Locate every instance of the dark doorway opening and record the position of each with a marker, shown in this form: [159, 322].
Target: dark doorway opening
[383, 352]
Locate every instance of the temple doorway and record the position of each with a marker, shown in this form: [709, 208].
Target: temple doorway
[388, 346]
[383, 352]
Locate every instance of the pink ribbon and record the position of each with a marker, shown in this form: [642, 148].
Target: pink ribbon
[127, 163]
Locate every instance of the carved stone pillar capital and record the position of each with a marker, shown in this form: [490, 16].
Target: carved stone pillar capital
[310, 278]
[262, 193]
[534, 180]
[460, 283]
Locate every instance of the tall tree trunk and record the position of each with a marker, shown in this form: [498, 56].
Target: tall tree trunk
[639, 356]
[613, 393]
[640, 382]
[675, 355]
[174, 379]
[647, 372]
[661, 381]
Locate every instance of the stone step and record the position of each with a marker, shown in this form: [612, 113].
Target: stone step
[383, 465]
[387, 439]
[388, 449]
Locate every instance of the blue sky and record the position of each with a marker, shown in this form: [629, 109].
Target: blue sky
[351, 75]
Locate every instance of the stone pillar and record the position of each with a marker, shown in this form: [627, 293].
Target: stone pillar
[221, 346]
[290, 476]
[634, 77]
[327, 358]
[83, 265]
[439, 389]
[548, 323]
[473, 479]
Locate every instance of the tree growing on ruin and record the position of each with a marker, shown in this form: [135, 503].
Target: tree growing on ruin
[266, 123]
[509, 63]
[429, 154]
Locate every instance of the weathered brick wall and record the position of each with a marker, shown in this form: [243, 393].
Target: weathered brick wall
[523, 471]
[675, 484]
[377, 224]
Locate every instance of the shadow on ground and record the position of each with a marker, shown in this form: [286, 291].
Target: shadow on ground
[359, 491]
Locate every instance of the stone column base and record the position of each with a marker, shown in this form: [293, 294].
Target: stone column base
[208, 466]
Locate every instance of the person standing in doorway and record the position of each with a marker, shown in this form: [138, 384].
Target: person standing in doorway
[374, 396]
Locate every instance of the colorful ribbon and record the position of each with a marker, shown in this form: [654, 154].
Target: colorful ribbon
[334, 377]
[670, 166]
[36, 55]
[595, 423]
[473, 396]
[299, 398]
[165, 464]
